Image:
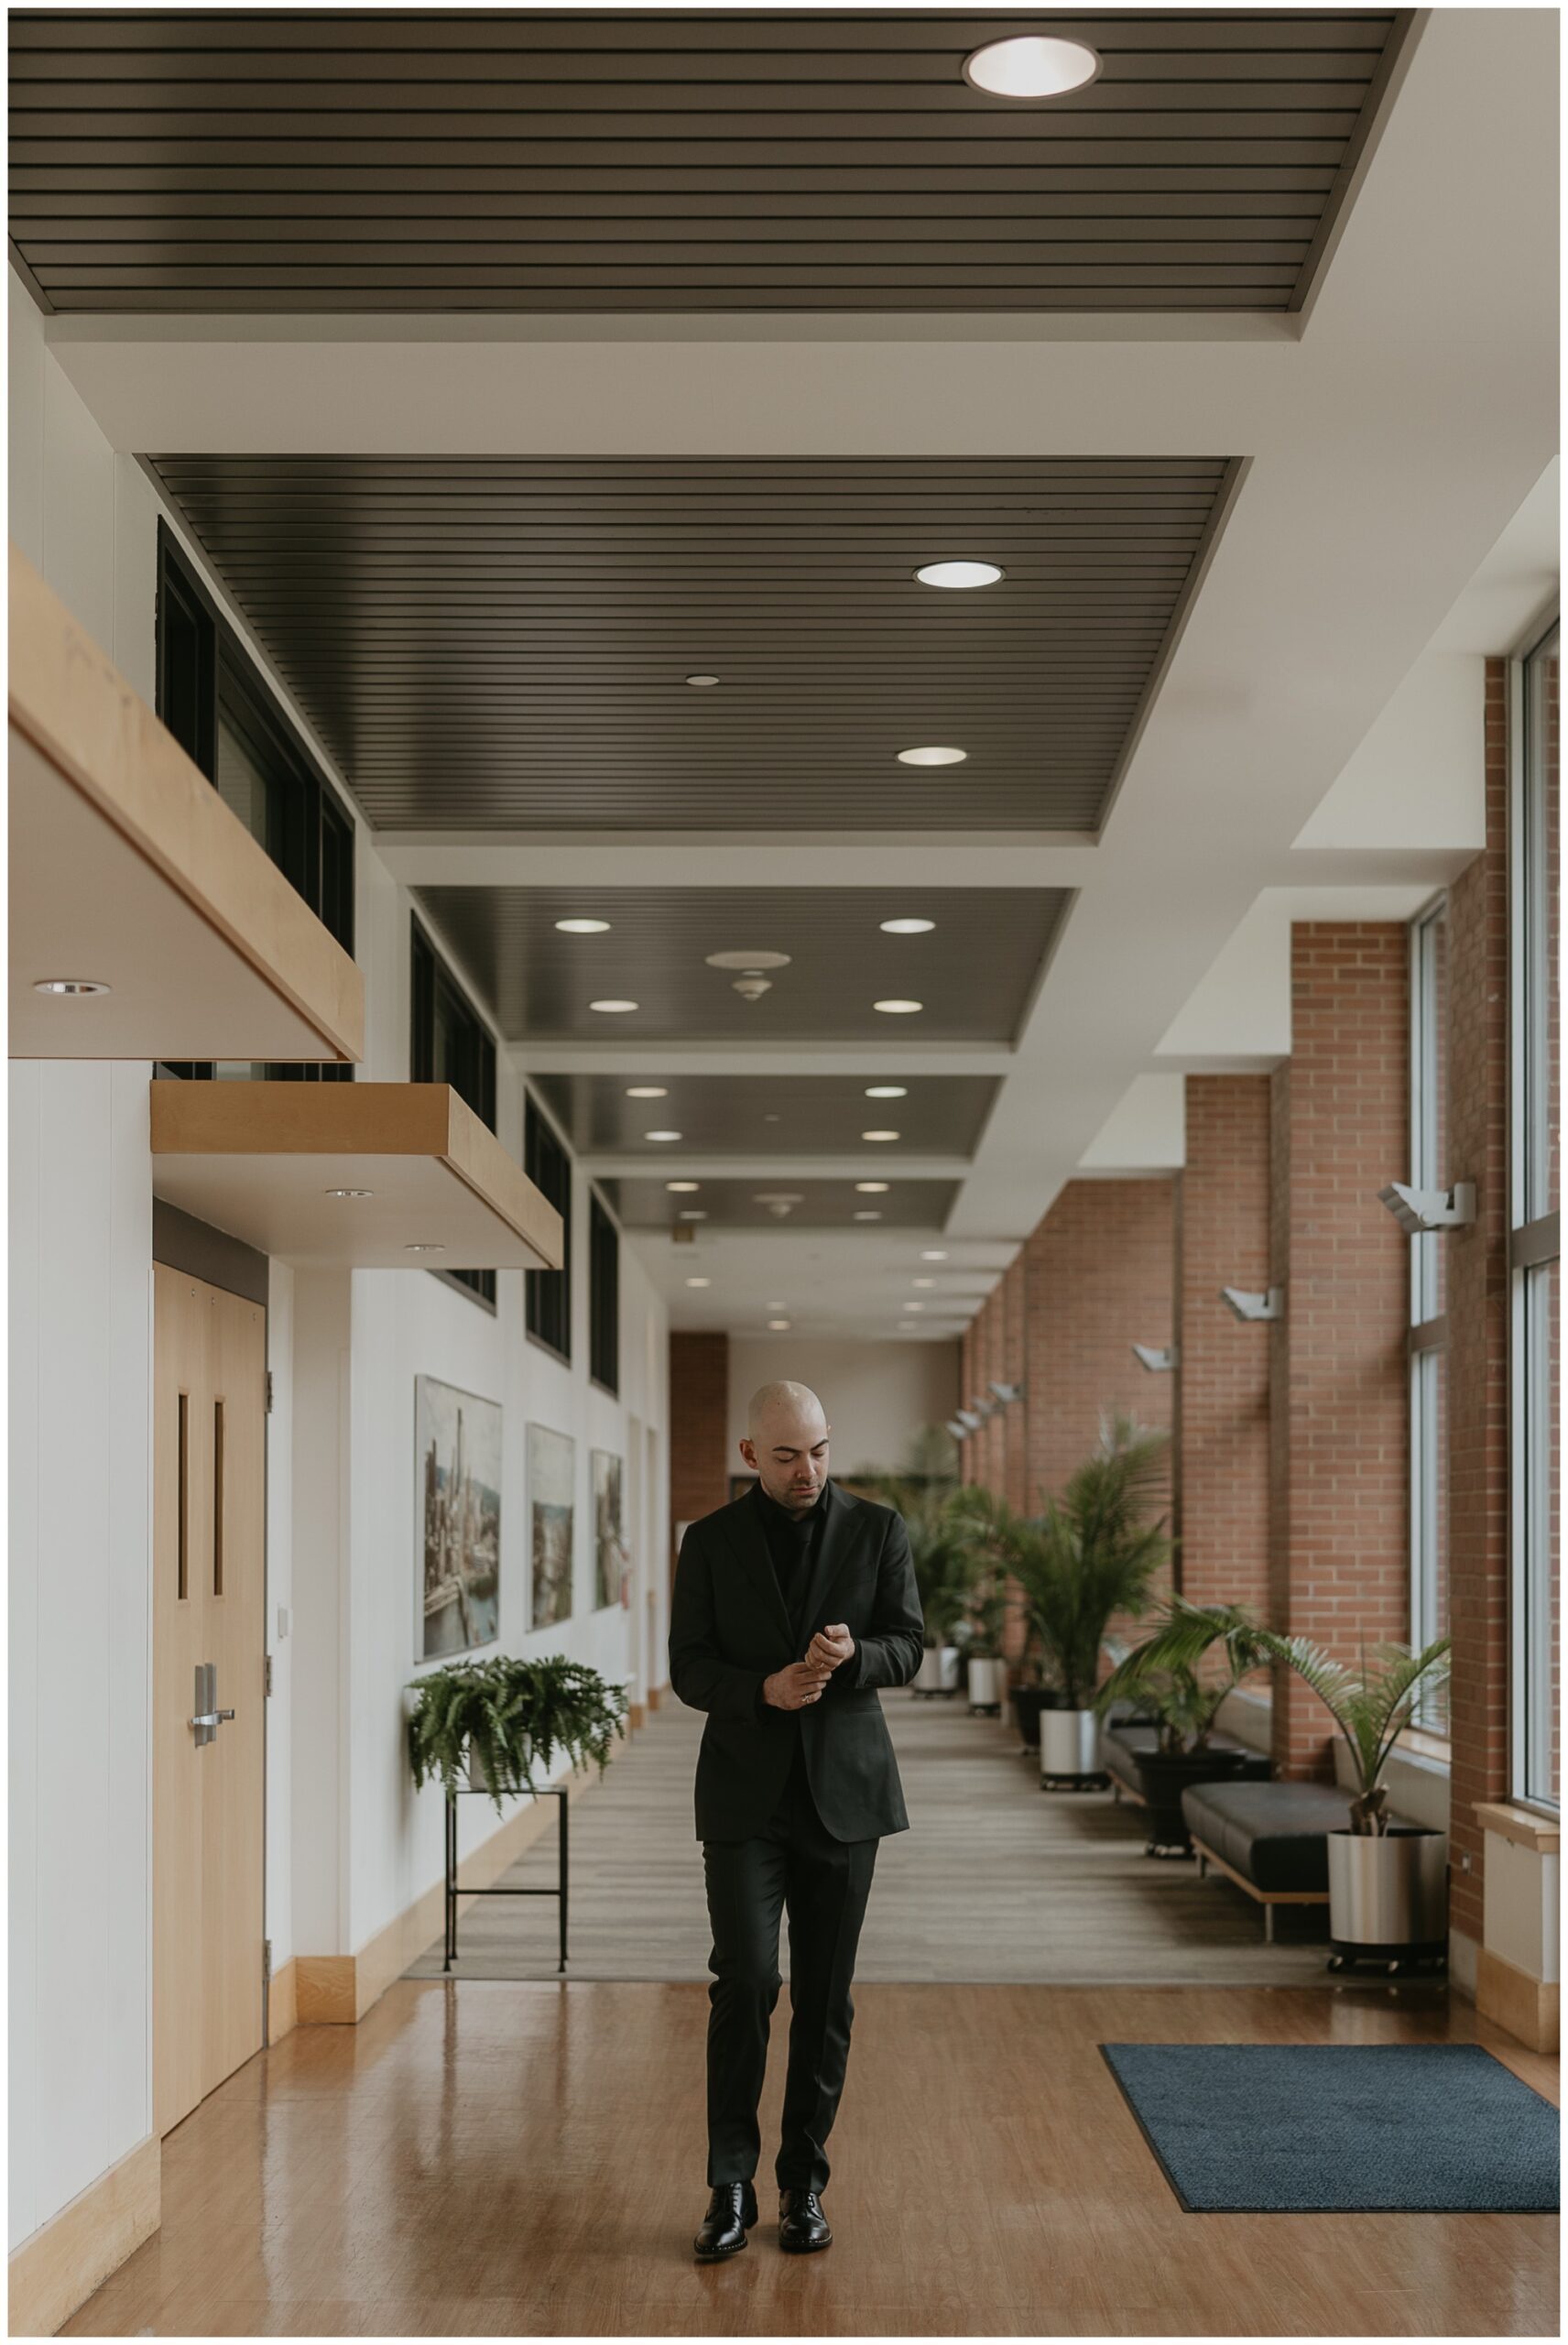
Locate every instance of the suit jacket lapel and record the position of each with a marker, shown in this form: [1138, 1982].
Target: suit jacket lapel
[838, 1544]
[750, 1547]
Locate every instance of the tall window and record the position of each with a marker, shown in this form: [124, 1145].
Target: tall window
[548, 1294]
[450, 1042]
[1535, 1059]
[604, 1298]
[1429, 1295]
[220, 709]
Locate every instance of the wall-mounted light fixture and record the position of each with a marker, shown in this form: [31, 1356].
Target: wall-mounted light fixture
[1005, 1392]
[959, 1433]
[968, 1419]
[1157, 1362]
[1255, 1306]
[1421, 1211]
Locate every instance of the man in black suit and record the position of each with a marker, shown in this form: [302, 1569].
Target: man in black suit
[796, 1783]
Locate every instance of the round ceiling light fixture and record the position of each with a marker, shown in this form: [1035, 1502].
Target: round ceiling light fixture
[703, 683]
[933, 1254]
[868, 1217]
[692, 1214]
[583, 927]
[68, 986]
[663, 1136]
[960, 574]
[896, 1008]
[908, 1327]
[348, 1192]
[907, 927]
[779, 1203]
[932, 757]
[922, 1281]
[881, 1136]
[647, 1090]
[748, 960]
[683, 1188]
[914, 1306]
[871, 1188]
[887, 1091]
[613, 1008]
[1032, 66]
[779, 1326]
[699, 1282]
[423, 1246]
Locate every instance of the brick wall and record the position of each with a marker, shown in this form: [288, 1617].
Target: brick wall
[1221, 1456]
[1478, 1325]
[699, 1426]
[1339, 1504]
[1098, 1278]
[1015, 1424]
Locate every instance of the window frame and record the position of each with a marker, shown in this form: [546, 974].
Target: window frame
[433, 985]
[1533, 1236]
[604, 1296]
[537, 1124]
[1428, 1341]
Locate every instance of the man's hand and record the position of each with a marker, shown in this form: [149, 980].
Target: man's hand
[831, 1647]
[794, 1688]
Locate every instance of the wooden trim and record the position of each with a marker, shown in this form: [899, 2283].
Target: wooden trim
[1260, 1896]
[346, 1120]
[282, 2004]
[59, 2267]
[183, 1243]
[1541, 1833]
[636, 1715]
[1527, 2008]
[83, 718]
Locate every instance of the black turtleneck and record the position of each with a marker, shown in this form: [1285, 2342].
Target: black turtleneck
[793, 1544]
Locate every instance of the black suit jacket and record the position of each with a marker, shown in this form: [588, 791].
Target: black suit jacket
[729, 1630]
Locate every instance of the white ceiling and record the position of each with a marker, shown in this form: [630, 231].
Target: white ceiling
[1312, 751]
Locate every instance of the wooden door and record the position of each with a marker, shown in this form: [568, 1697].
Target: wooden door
[208, 1537]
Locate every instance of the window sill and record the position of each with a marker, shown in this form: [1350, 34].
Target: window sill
[1527, 1826]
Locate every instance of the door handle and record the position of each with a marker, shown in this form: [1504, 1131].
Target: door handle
[211, 1718]
[208, 1717]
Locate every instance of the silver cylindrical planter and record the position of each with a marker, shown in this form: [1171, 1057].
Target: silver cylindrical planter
[1069, 1744]
[984, 1684]
[1388, 1891]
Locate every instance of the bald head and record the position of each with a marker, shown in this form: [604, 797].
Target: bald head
[787, 1444]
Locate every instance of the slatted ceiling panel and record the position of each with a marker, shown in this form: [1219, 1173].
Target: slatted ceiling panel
[824, 1205]
[519, 160]
[504, 642]
[974, 971]
[782, 1115]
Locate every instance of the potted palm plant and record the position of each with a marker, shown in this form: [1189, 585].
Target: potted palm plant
[1388, 1882]
[488, 1724]
[1092, 1554]
[923, 1492]
[1182, 1706]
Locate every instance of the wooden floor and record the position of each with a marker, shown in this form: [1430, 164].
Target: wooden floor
[485, 2158]
[995, 1880]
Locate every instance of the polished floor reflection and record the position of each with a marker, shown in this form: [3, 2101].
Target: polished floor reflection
[487, 2158]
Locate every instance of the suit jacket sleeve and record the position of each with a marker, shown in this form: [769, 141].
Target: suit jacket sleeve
[889, 1654]
[698, 1673]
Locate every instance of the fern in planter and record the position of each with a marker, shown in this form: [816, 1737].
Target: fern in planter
[513, 1714]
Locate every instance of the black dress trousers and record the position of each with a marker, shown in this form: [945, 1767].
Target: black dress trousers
[796, 1866]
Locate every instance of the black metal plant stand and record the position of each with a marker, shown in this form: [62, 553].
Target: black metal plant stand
[453, 1892]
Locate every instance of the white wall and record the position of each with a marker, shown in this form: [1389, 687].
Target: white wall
[877, 1395]
[348, 1843]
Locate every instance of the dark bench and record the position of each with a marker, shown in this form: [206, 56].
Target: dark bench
[1122, 1746]
[1269, 1838]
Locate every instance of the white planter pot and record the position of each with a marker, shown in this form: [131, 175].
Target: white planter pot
[1389, 1890]
[985, 1677]
[937, 1672]
[1069, 1743]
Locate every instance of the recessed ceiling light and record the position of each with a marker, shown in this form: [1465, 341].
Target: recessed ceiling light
[647, 1090]
[663, 1135]
[872, 1188]
[881, 1135]
[703, 683]
[612, 1008]
[868, 1217]
[907, 927]
[1030, 65]
[699, 1282]
[779, 1325]
[887, 1091]
[907, 1327]
[932, 757]
[746, 960]
[348, 1192]
[778, 1306]
[770, 1119]
[914, 1306]
[683, 1188]
[891, 1009]
[933, 1254]
[426, 1246]
[692, 1212]
[959, 573]
[922, 1281]
[71, 985]
[583, 927]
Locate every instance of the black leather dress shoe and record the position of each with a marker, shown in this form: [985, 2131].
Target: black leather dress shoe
[732, 2210]
[802, 2226]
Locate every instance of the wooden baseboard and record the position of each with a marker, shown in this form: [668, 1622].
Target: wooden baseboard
[74, 2253]
[654, 1695]
[337, 1989]
[635, 1714]
[1511, 1998]
[282, 2004]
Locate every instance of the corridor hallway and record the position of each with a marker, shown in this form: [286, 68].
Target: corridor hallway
[519, 2157]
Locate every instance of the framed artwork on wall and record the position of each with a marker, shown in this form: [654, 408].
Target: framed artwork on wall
[552, 1500]
[609, 1540]
[457, 1445]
